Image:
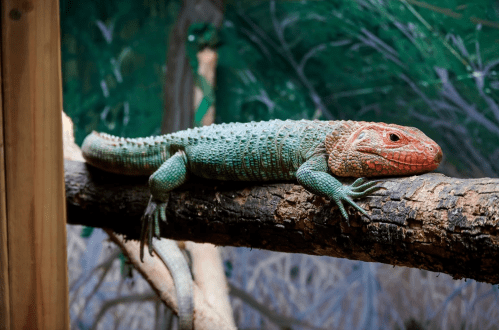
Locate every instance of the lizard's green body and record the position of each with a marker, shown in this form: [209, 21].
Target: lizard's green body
[309, 151]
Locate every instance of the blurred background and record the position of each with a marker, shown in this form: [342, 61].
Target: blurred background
[129, 68]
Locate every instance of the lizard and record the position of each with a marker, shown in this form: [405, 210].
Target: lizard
[313, 153]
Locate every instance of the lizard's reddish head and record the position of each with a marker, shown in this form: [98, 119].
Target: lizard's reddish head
[376, 149]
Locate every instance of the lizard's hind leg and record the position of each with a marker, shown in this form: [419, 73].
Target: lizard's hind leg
[172, 174]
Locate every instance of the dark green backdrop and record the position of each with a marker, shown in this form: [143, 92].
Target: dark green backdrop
[433, 65]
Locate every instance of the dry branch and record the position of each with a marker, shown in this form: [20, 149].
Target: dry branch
[430, 221]
[157, 275]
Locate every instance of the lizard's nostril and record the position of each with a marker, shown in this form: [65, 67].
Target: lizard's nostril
[438, 156]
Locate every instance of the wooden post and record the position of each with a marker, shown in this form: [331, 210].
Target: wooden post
[4, 261]
[37, 292]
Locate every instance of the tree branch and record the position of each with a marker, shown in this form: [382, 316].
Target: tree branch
[429, 221]
[156, 274]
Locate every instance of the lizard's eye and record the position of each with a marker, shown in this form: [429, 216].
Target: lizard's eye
[361, 135]
[394, 137]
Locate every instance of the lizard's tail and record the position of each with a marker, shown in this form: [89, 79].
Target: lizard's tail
[141, 156]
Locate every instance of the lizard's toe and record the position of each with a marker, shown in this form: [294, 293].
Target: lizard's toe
[150, 225]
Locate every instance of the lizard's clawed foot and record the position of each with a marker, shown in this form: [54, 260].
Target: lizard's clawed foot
[154, 212]
[358, 189]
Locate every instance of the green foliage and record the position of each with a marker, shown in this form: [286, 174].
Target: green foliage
[199, 37]
[113, 63]
[228, 268]
[86, 232]
[427, 64]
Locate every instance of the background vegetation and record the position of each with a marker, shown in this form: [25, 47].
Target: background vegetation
[433, 65]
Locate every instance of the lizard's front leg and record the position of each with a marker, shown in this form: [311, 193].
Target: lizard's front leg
[314, 175]
[172, 174]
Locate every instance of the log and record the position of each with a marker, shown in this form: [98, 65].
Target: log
[429, 221]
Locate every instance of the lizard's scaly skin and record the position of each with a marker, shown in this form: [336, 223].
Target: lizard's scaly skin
[309, 151]
[271, 150]
[179, 269]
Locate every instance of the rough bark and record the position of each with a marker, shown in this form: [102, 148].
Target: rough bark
[429, 221]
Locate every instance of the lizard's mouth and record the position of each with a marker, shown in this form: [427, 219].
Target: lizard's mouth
[406, 163]
[437, 158]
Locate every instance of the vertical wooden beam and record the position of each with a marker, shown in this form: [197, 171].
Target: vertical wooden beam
[4, 261]
[36, 215]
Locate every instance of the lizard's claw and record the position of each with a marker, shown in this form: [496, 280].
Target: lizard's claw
[355, 190]
[154, 213]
